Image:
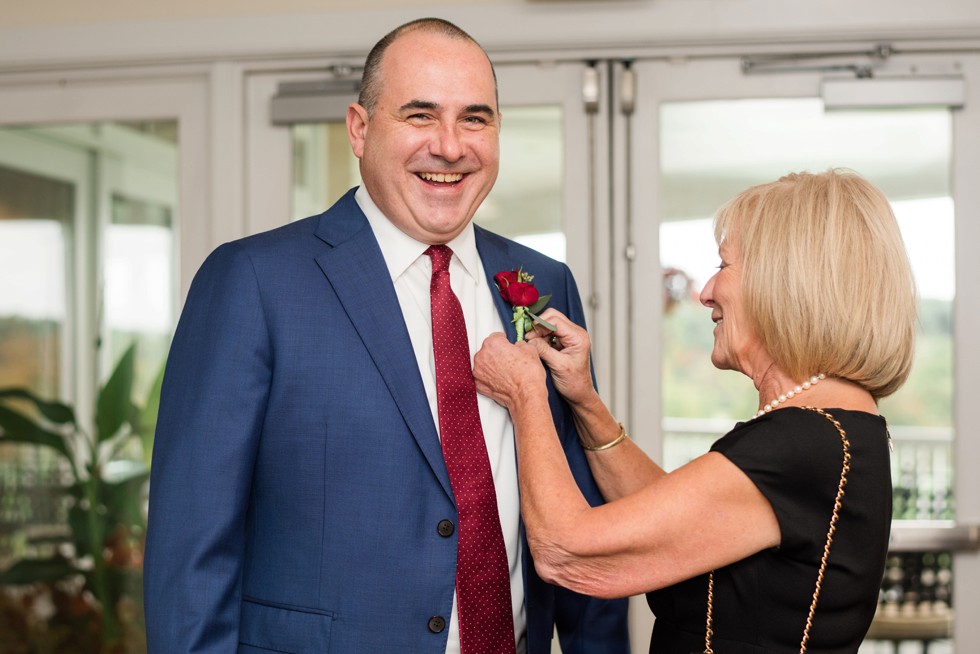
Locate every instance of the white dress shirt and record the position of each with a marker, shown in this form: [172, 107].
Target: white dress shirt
[411, 272]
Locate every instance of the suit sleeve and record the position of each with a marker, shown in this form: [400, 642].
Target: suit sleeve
[211, 411]
[585, 625]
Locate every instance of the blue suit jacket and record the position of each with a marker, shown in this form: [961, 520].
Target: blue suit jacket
[298, 479]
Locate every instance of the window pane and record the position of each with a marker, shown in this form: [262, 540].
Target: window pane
[136, 255]
[139, 284]
[526, 201]
[324, 167]
[35, 214]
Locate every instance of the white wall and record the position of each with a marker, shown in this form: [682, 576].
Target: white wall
[57, 33]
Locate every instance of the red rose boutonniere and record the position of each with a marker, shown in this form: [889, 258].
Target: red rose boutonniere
[516, 288]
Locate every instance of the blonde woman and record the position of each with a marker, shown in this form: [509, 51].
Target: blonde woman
[775, 539]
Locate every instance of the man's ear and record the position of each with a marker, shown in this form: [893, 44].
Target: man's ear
[357, 124]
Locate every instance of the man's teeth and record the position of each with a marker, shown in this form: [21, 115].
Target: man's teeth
[441, 177]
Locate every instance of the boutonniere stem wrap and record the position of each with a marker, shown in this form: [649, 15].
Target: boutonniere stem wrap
[516, 288]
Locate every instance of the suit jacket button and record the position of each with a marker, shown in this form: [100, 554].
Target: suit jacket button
[446, 528]
[436, 624]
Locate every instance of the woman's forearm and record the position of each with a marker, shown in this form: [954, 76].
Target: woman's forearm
[551, 501]
[574, 545]
[621, 469]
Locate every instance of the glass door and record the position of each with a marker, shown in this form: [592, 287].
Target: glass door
[93, 192]
[709, 130]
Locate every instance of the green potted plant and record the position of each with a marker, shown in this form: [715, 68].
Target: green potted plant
[101, 550]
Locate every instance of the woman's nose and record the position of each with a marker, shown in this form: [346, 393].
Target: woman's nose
[707, 293]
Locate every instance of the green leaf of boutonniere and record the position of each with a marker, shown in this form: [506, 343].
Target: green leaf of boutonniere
[539, 305]
[544, 323]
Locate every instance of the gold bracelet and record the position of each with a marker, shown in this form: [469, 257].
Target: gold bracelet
[613, 443]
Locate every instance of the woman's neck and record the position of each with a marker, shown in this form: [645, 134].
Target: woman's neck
[778, 390]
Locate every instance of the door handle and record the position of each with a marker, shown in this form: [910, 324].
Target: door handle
[926, 535]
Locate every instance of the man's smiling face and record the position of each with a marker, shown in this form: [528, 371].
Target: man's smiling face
[429, 150]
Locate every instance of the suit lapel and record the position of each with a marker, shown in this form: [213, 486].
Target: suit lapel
[496, 257]
[357, 272]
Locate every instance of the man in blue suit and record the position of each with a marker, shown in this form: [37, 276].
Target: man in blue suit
[299, 499]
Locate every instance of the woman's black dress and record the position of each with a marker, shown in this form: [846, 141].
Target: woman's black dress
[794, 457]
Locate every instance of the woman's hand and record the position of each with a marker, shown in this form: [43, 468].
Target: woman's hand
[566, 353]
[508, 372]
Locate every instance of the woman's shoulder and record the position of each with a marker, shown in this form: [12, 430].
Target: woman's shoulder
[793, 432]
[805, 418]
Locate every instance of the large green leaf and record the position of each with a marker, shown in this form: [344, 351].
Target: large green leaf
[30, 571]
[15, 427]
[113, 407]
[55, 412]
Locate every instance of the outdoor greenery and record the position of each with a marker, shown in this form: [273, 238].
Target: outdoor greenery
[695, 388]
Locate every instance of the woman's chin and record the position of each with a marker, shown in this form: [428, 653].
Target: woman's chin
[721, 361]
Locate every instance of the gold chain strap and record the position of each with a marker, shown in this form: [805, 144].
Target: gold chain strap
[845, 468]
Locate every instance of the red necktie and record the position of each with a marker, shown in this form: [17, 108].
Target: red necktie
[483, 600]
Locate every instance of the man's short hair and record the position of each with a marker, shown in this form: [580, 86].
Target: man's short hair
[371, 78]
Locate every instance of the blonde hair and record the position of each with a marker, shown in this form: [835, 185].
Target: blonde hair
[825, 277]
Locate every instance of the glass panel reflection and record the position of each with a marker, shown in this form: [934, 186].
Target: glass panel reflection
[324, 167]
[35, 214]
[139, 286]
[526, 203]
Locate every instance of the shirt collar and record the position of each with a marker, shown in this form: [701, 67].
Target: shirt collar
[400, 250]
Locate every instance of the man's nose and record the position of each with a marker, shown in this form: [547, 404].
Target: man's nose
[447, 143]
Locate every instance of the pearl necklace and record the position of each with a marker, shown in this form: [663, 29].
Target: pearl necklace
[799, 388]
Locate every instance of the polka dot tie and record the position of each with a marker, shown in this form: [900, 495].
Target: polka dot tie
[483, 600]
